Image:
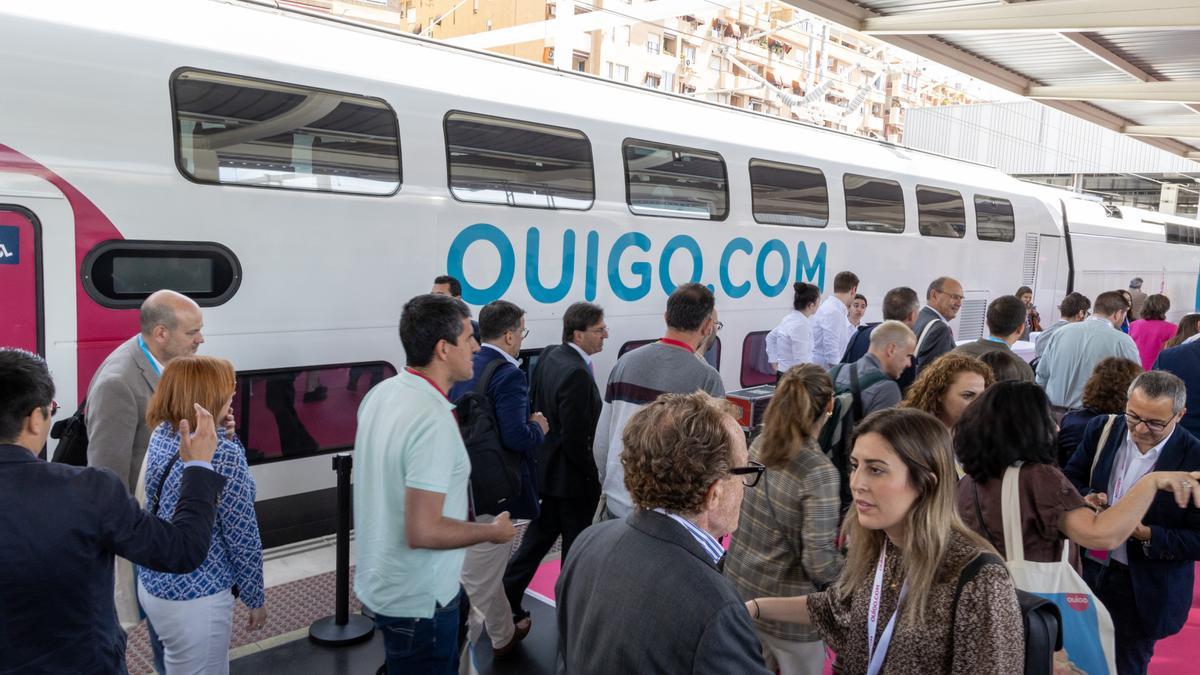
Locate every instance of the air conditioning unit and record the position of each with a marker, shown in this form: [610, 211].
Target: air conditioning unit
[687, 63]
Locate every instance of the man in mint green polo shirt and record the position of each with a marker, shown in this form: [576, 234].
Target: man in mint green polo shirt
[410, 492]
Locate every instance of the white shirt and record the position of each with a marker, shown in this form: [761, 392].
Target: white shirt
[791, 342]
[507, 357]
[831, 330]
[586, 357]
[1130, 465]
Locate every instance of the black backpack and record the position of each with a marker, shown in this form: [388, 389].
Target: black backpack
[72, 438]
[847, 412]
[495, 472]
[1043, 621]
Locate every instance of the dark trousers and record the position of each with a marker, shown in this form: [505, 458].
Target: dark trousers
[1114, 588]
[422, 645]
[559, 516]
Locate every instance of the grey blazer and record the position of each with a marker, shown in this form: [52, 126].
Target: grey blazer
[639, 595]
[939, 340]
[116, 412]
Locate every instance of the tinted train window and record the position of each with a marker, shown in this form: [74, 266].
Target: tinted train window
[294, 412]
[241, 131]
[501, 161]
[712, 356]
[756, 369]
[941, 212]
[873, 204]
[784, 194]
[123, 273]
[1182, 234]
[994, 219]
[665, 180]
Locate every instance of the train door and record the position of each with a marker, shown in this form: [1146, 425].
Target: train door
[1043, 257]
[22, 323]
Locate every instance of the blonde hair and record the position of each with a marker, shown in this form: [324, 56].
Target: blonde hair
[185, 380]
[788, 424]
[923, 445]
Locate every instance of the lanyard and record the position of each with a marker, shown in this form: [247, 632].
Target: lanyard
[876, 655]
[677, 343]
[149, 357]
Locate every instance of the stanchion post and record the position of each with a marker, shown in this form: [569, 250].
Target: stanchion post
[342, 628]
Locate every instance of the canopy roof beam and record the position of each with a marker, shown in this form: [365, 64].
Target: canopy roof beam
[1045, 16]
[1169, 92]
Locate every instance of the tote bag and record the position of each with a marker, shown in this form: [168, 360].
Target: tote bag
[1087, 627]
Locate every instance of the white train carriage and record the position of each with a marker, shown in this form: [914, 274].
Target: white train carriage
[302, 177]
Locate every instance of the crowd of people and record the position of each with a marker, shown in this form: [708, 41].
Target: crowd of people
[685, 548]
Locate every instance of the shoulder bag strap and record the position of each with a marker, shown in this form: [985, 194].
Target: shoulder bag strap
[856, 393]
[1010, 513]
[482, 384]
[969, 572]
[161, 481]
[1100, 446]
[925, 332]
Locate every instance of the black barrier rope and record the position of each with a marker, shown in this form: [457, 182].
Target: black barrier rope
[342, 628]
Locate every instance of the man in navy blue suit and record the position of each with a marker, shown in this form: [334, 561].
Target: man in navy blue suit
[63, 524]
[1184, 362]
[1146, 583]
[502, 327]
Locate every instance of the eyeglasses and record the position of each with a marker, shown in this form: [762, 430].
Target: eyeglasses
[750, 474]
[953, 296]
[53, 408]
[602, 330]
[1157, 426]
[524, 332]
[720, 325]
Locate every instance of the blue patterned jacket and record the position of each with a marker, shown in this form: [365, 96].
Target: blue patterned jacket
[235, 554]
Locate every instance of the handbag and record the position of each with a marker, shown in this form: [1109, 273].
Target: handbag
[1088, 640]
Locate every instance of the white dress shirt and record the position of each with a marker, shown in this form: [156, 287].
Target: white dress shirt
[586, 357]
[791, 342]
[507, 357]
[1129, 466]
[831, 330]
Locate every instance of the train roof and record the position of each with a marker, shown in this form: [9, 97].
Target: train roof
[357, 56]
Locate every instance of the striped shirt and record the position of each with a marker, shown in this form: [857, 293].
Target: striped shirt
[707, 542]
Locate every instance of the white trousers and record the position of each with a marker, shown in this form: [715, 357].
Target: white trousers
[483, 580]
[195, 633]
[791, 657]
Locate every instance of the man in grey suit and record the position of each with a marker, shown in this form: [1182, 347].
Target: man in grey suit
[934, 337]
[645, 594]
[122, 386]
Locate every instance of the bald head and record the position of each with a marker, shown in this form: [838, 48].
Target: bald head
[171, 325]
[892, 344]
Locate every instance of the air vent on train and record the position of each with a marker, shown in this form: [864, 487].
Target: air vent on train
[971, 318]
[1030, 267]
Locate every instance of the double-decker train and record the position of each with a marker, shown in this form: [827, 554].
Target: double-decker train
[301, 177]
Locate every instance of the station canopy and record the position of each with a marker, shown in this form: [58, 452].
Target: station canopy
[1132, 66]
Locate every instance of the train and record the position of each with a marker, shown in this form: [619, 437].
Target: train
[302, 176]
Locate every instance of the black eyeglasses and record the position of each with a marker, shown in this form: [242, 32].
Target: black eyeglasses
[1157, 426]
[524, 332]
[53, 408]
[750, 474]
[720, 325]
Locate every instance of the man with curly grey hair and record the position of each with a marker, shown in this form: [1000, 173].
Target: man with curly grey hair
[644, 594]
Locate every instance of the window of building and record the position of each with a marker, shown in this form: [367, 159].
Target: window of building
[622, 35]
[670, 45]
[297, 412]
[873, 204]
[551, 10]
[618, 72]
[675, 182]
[687, 89]
[668, 81]
[689, 55]
[579, 62]
[502, 161]
[653, 81]
[122, 273]
[786, 194]
[233, 130]
[994, 219]
[654, 44]
[755, 104]
[941, 212]
[756, 369]
[714, 62]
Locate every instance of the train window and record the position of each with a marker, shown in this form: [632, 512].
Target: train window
[234, 130]
[122, 273]
[712, 356]
[785, 194]
[294, 412]
[873, 204]
[1182, 234]
[501, 161]
[756, 369]
[675, 182]
[994, 219]
[941, 212]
